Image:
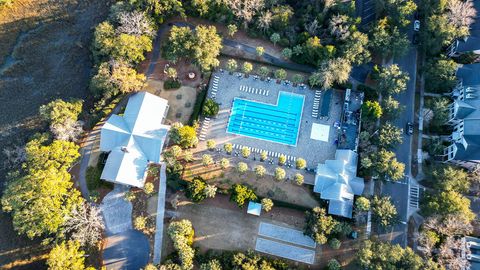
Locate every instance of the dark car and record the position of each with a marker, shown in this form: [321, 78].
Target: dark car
[415, 39]
[409, 128]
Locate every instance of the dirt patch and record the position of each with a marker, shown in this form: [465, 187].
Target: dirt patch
[44, 55]
[266, 186]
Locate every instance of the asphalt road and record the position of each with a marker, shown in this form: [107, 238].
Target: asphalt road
[399, 191]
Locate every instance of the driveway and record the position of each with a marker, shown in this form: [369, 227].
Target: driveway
[124, 248]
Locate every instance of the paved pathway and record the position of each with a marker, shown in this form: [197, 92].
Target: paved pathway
[157, 252]
[125, 248]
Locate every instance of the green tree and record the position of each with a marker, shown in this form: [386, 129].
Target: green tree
[437, 33]
[130, 48]
[383, 255]
[447, 202]
[399, 11]
[224, 163]
[362, 204]
[287, 53]
[232, 29]
[386, 166]
[392, 80]
[450, 178]
[260, 170]
[113, 79]
[181, 232]
[207, 47]
[267, 204]
[240, 194]
[334, 243]
[232, 65]
[355, 48]
[274, 38]
[391, 108]
[389, 135]
[41, 197]
[263, 155]
[180, 43]
[371, 110]
[59, 111]
[187, 156]
[211, 144]
[383, 211]
[301, 163]
[211, 265]
[103, 40]
[176, 151]
[246, 152]
[247, 67]
[440, 75]
[207, 160]
[299, 179]
[280, 74]
[281, 16]
[228, 147]
[185, 136]
[387, 40]
[263, 71]
[440, 109]
[318, 225]
[66, 256]
[242, 167]
[282, 159]
[280, 174]
[172, 73]
[196, 190]
[260, 51]
[148, 188]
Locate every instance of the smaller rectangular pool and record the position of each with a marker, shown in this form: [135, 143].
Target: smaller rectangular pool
[277, 123]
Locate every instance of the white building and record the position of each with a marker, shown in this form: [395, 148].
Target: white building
[134, 139]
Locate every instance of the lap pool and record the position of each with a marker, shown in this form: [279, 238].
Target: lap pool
[276, 123]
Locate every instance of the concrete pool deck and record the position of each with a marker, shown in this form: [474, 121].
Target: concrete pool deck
[230, 87]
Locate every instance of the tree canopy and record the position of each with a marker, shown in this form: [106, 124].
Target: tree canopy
[66, 256]
[319, 225]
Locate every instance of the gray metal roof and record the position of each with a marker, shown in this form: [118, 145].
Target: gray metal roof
[336, 180]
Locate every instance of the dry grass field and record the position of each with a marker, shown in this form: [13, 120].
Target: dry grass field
[44, 55]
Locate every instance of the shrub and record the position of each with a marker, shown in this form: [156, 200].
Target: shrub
[211, 144]
[267, 204]
[298, 179]
[247, 67]
[93, 177]
[301, 163]
[242, 167]
[280, 174]
[334, 265]
[362, 204]
[282, 159]
[232, 65]
[171, 84]
[245, 152]
[263, 71]
[260, 170]
[224, 163]
[228, 147]
[148, 188]
[334, 243]
[280, 74]
[210, 108]
[187, 156]
[176, 151]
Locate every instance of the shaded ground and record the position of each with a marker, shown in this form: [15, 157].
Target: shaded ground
[44, 55]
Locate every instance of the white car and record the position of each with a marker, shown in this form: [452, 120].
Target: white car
[416, 25]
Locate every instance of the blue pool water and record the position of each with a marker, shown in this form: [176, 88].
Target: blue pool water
[277, 123]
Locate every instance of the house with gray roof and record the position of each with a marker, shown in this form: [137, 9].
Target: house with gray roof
[464, 117]
[134, 139]
[336, 181]
[472, 252]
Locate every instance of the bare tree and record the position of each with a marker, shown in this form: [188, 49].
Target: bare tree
[450, 225]
[265, 21]
[245, 9]
[70, 130]
[461, 13]
[85, 224]
[450, 254]
[14, 156]
[134, 23]
[312, 27]
[339, 26]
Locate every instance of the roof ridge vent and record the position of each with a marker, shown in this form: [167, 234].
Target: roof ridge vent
[124, 149]
[470, 96]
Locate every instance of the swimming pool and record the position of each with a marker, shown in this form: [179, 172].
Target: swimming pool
[277, 123]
